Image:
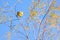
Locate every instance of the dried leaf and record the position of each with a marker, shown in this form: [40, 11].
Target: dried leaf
[4, 18]
[33, 13]
[58, 8]
[55, 8]
[54, 15]
[26, 28]
[9, 36]
[53, 25]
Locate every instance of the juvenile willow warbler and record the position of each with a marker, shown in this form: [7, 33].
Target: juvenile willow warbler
[20, 14]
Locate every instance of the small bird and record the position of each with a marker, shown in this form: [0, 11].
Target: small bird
[19, 14]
